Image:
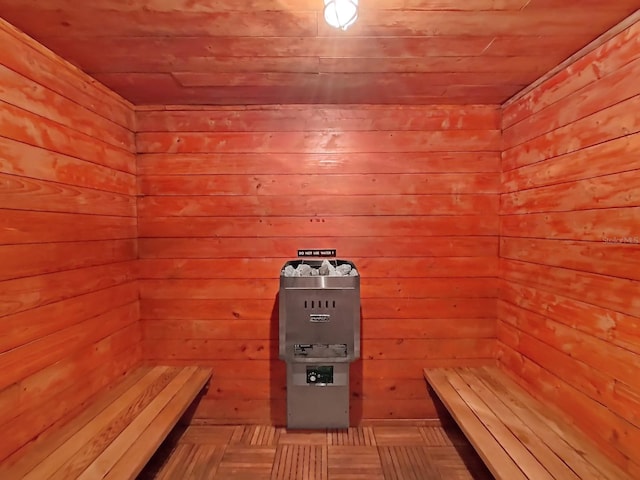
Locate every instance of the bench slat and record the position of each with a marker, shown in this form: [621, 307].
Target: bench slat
[520, 428]
[45, 444]
[117, 434]
[157, 431]
[522, 457]
[581, 455]
[497, 460]
[485, 402]
[100, 467]
[73, 457]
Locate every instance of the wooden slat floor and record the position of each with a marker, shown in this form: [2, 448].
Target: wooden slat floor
[260, 452]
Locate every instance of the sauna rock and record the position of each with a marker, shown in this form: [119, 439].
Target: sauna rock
[326, 269]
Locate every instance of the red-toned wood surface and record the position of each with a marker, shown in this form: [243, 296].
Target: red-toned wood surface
[410, 194]
[569, 311]
[282, 51]
[69, 313]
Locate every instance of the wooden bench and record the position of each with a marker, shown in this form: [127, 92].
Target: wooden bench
[515, 435]
[116, 435]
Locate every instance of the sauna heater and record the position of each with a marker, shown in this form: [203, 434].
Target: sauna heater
[319, 335]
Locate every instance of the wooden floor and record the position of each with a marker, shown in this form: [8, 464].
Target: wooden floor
[269, 453]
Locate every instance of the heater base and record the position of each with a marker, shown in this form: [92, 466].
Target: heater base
[317, 395]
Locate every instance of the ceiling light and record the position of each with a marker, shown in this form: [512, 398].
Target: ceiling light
[341, 13]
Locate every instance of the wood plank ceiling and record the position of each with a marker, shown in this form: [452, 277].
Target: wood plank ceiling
[281, 51]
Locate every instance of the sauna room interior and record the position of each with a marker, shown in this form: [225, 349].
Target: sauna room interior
[478, 161]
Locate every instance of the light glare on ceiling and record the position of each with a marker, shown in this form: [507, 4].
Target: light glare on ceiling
[341, 13]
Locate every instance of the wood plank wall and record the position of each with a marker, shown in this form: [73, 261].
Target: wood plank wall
[69, 305]
[228, 195]
[569, 310]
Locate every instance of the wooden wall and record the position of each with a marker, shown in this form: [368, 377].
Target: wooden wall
[68, 298]
[569, 310]
[228, 195]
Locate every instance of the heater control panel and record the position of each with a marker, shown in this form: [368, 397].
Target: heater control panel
[318, 350]
[320, 374]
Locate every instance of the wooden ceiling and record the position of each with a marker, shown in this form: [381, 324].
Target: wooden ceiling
[281, 51]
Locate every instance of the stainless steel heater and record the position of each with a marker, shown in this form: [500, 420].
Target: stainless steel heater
[319, 326]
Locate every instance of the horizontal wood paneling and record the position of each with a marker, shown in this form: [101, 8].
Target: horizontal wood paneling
[301, 5]
[26, 57]
[353, 226]
[304, 23]
[319, 142]
[587, 413]
[600, 322]
[199, 350]
[23, 261]
[27, 194]
[23, 126]
[164, 87]
[335, 184]
[610, 191]
[282, 247]
[18, 295]
[591, 225]
[283, 52]
[448, 308]
[392, 267]
[33, 226]
[595, 358]
[247, 288]
[34, 356]
[311, 5]
[250, 411]
[317, 163]
[616, 87]
[29, 325]
[228, 195]
[605, 290]
[226, 388]
[335, 205]
[608, 57]
[38, 99]
[71, 395]
[69, 311]
[590, 162]
[225, 329]
[616, 258]
[39, 164]
[569, 315]
[261, 369]
[288, 118]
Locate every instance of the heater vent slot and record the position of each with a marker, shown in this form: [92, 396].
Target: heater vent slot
[319, 304]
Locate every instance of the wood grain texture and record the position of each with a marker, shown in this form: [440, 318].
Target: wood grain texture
[291, 118]
[68, 302]
[568, 310]
[282, 52]
[69, 402]
[230, 268]
[407, 452]
[607, 58]
[120, 429]
[313, 163]
[362, 247]
[229, 194]
[26, 127]
[318, 142]
[27, 56]
[516, 436]
[30, 95]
